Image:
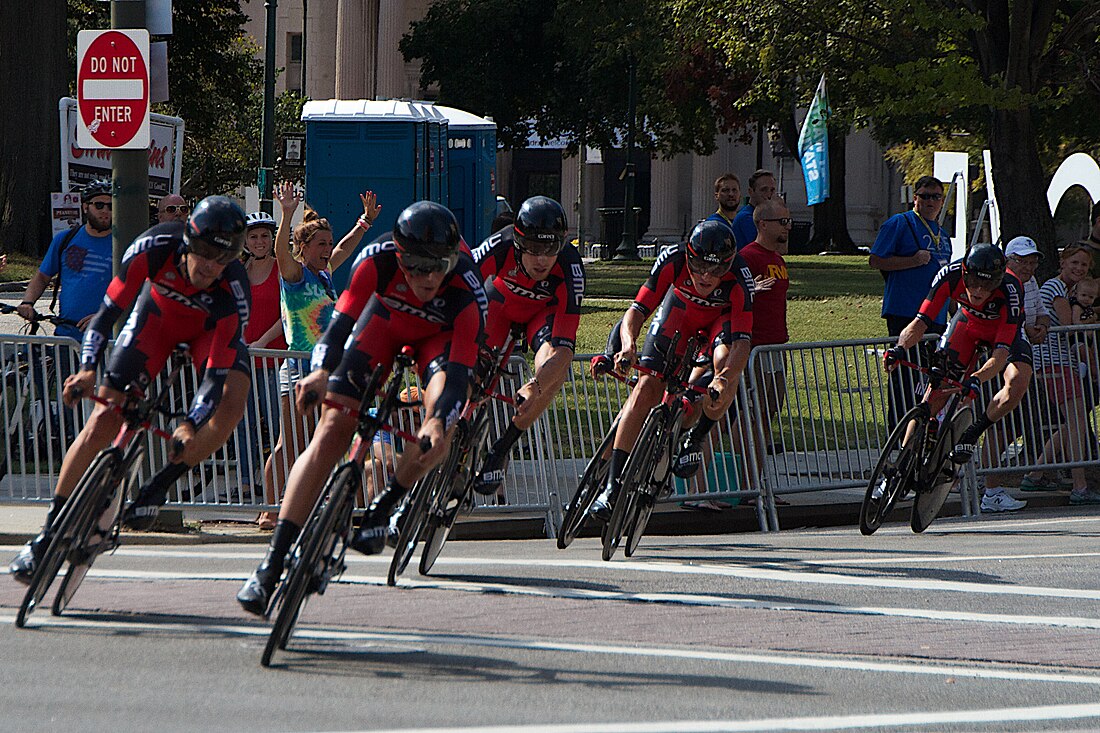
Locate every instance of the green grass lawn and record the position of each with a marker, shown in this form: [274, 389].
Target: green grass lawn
[20, 267]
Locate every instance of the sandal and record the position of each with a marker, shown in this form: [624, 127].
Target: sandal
[266, 521]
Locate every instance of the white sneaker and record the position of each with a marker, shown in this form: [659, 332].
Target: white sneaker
[1001, 502]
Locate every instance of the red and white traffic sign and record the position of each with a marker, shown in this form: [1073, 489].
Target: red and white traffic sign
[112, 83]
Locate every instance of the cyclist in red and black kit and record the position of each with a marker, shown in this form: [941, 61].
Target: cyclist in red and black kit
[187, 285]
[536, 279]
[990, 312]
[700, 285]
[418, 290]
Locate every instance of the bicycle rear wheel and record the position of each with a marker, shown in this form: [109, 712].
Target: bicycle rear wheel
[895, 472]
[942, 474]
[442, 518]
[105, 526]
[636, 475]
[70, 529]
[312, 554]
[592, 481]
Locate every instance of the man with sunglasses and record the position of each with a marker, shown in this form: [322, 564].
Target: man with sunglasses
[186, 285]
[909, 250]
[702, 284]
[172, 208]
[81, 260]
[418, 290]
[536, 279]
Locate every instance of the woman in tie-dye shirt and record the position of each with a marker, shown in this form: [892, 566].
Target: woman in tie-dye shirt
[306, 299]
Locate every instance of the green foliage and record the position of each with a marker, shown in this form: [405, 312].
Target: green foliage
[560, 69]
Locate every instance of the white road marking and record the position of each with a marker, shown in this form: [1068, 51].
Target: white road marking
[777, 659]
[686, 599]
[930, 559]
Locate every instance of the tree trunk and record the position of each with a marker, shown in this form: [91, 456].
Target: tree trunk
[831, 216]
[33, 76]
[1021, 183]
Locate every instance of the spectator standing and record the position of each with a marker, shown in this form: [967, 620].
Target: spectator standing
[306, 300]
[1092, 241]
[909, 250]
[727, 192]
[1058, 368]
[263, 331]
[761, 188]
[172, 207]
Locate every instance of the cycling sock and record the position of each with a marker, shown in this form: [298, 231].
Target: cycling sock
[506, 441]
[385, 502]
[282, 538]
[699, 432]
[157, 487]
[971, 434]
[615, 467]
[55, 508]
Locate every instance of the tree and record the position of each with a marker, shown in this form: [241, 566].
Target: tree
[33, 76]
[1021, 75]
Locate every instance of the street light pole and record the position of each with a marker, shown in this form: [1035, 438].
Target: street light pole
[628, 247]
[267, 162]
[129, 168]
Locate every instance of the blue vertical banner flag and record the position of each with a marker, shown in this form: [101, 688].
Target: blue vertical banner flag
[813, 147]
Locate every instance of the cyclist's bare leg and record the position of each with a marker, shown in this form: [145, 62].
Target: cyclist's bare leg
[645, 395]
[96, 435]
[330, 442]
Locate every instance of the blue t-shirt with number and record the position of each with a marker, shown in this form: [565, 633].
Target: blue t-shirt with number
[902, 236]
[85, 268]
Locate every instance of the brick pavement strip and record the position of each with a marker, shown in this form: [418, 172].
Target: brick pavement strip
[430, 610]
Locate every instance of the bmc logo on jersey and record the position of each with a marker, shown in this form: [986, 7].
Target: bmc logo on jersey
[140, 245]
[403, 307]
[526, 292]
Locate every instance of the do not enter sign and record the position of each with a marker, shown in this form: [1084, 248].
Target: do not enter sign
[112, 82]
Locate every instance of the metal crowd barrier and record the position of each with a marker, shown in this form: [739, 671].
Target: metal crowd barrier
[824, 434]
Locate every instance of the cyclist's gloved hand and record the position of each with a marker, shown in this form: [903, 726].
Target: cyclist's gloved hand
[601, 365]
[891, 357]
[181, 439]
[973, 388]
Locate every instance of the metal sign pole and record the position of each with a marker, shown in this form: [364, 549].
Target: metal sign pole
[129, 168]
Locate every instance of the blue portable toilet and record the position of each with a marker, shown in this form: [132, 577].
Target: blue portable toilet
[387, 146]
[436, 145]
[471, 162]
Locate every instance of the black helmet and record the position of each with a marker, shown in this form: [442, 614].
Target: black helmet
[93, 189]
[216, 229]
[427, 238]
[540, 227]
[710, 248]
[984, 266]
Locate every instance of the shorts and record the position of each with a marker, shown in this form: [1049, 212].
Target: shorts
[290, 371]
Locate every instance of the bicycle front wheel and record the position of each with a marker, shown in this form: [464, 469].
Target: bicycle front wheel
[592, 481]
[445, 509]
[942, 474]
[895, 472]
[70, 529]
[313, 552]
[412, 523]
[637, 473]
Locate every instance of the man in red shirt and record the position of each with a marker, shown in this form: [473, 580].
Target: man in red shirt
[769, 324]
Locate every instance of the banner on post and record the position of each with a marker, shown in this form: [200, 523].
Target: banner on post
[813, 147]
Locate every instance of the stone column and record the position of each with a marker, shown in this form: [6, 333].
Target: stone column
[392, 25]
[569, 166]
[354, 56]
[665, 215]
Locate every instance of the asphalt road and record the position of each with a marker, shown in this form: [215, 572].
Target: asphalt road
[986, 625]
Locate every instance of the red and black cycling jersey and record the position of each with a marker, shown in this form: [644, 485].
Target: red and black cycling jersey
[515, 297]
[170, 310]
[670, 276]
[381, 307]
[996, 320]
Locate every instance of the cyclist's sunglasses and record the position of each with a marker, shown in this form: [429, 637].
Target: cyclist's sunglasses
[215, 254]
[546, 245]
[703, 267]
[421, 265]
[974, 282]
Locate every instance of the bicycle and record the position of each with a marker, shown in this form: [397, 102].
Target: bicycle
[317, 556]
[29, 380]
[89, 523]
[915, 456]
[436, 501]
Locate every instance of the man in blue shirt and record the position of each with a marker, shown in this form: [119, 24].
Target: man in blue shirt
[909, 250]
[761, 189]
[727, 192]
[83, 261]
